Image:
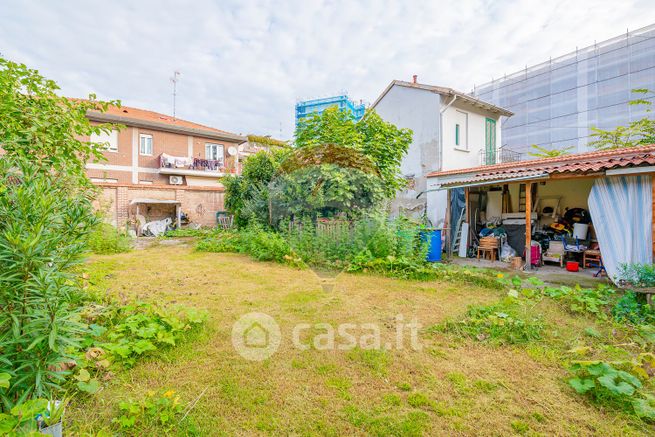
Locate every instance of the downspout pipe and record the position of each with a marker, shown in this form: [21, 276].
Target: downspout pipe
[441, 112]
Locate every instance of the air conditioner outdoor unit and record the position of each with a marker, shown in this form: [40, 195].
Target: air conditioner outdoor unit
[175, 180]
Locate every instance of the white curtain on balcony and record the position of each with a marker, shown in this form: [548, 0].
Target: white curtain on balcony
[622, 215]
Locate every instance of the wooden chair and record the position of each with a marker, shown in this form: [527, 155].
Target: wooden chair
[591, 258]
[555, 253]
[490, 246]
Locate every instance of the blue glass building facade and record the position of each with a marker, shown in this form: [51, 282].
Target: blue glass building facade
[317, 106]
[556, 103]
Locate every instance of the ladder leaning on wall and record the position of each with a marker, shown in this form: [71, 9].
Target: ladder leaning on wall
[458, 237]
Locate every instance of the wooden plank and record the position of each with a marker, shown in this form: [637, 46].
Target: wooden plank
[528, 225]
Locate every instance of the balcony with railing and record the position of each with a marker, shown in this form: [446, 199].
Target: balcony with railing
[185, 165]
[499, 156]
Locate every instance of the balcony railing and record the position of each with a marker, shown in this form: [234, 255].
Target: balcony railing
[499, 156]
[189, 163]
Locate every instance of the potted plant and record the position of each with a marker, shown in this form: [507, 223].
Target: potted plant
[51, 422]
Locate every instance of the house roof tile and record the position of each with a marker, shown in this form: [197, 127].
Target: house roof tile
[128, 115]
[575, 163]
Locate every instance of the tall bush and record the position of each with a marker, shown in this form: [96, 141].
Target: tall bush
[46, 216]
[246, 196]
[43, 232]
[324, 190]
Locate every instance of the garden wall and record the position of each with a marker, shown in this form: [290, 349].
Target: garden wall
[200, 204]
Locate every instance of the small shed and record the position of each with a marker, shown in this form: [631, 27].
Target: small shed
[175, 206]
[616, 187]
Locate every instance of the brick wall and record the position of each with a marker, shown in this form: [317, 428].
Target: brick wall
[122, 205]
[199, 204]
[105, 202]
[119, 165]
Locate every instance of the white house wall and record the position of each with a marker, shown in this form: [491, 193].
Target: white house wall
[417, 110]
[465, 155]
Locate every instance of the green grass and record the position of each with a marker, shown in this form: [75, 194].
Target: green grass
[454, 385]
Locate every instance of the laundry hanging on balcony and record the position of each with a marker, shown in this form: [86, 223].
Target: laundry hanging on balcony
[207, 164]
[171, 161]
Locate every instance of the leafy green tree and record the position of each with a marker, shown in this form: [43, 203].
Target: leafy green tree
[333, 126]
[542, 152]
[338, 165]
[246, 196]
[323, 191]
[383, 142]
[43, 128]
[386, 145]
[46, 216]
[637, 133]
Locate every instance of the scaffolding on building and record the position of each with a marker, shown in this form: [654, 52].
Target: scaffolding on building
[317, 106]
[556, 103]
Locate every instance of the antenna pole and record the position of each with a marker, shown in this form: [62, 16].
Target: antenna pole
[174, 79]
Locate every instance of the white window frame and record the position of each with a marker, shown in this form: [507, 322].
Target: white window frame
[108, 142]
[216, 152]
[142, 143]
[463, 132]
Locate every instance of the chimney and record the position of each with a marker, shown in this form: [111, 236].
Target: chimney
[414, 78]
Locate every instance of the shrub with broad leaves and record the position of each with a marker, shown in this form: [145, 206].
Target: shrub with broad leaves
[605, 384]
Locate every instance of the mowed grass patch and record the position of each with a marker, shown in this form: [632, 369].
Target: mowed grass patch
[451, 386]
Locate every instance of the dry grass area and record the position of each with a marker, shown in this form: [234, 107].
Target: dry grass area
[450, 387]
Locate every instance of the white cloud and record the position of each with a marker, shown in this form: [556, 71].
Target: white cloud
[244, 63]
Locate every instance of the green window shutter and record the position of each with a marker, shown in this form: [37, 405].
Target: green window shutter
[457, 134]
[490, 140]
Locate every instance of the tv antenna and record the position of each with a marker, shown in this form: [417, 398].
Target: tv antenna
[174, 79]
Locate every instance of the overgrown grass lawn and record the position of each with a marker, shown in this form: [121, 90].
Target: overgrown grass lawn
[452, 386]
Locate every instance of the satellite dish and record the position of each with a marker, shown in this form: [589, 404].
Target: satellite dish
[231, 150]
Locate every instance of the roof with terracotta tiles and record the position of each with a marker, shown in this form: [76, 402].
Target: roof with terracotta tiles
[575, 163]
[128, 114]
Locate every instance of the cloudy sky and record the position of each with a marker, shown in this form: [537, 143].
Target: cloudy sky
[245, 63]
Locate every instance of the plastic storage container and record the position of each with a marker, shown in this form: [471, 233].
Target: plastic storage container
[572, 266]
[580, 231]
[433, 238]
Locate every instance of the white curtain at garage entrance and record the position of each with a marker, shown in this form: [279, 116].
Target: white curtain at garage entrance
[621, 212]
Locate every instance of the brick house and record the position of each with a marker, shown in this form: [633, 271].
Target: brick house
[160, 166]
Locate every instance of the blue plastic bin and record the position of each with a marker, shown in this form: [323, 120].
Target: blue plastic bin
[433, 238]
